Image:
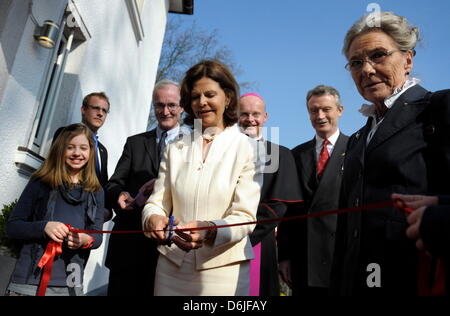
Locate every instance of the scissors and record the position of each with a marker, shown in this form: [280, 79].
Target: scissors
[169, 237]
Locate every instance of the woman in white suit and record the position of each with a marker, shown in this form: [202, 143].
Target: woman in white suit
[207, 179]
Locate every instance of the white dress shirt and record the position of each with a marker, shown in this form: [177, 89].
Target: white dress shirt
[171, 134]
[330, 146]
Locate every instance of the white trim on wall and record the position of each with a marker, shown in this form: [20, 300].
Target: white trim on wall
[135, 16]
[27, 161]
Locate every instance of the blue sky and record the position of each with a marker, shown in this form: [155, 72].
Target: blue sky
[288, 47]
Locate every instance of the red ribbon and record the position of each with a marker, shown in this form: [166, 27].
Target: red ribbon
[397, 203]
[54, 248]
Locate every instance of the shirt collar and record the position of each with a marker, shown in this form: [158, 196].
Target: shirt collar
[369, 110]
[259, 138]
[332, 139]
[171, 133]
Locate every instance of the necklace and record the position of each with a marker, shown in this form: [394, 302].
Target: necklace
[208, 137]
[210, 133]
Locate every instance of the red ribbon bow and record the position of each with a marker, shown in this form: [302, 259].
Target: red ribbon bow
[53, 249]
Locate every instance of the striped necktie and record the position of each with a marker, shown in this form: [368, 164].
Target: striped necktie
[162, 145]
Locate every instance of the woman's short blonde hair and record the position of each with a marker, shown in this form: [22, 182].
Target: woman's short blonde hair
[397, 27]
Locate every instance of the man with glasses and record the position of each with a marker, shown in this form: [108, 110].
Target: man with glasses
[94, 110]
[132, 257]
[280, 184]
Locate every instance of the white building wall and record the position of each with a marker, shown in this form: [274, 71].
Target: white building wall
[19, 103]
[111, 60]
[126, 76]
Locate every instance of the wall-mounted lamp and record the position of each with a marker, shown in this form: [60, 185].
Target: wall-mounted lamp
[47, 34]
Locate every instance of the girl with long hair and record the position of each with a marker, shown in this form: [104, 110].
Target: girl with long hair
[64, 191]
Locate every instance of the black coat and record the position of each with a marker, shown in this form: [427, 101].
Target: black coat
[309, 244]
[278, 186]
[27, 223]
[409, 154]
[132, 258]
[435, 228]
[435, 232]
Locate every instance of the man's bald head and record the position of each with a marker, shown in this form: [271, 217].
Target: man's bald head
[252, 114]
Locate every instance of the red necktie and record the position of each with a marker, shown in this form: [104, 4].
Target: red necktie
[323, 158]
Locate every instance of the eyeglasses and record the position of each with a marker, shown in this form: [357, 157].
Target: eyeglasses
[247, 115]
[98, 109]
[374, 58]
[171, 106]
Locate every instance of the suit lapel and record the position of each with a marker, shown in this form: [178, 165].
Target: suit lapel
[104, 162]
[103, 157]
[309, 166]
[404, 111]
[151, 147]
[359, 140]
[332, 168]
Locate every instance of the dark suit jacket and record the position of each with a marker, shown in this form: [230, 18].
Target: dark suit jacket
[313, 238]
[435, 229]
[435, 232]
[103, 175]
[280, 185]
[410, 154]
[132, 258]
[137, 165]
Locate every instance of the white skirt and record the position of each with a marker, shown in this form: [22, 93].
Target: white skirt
[229, 280]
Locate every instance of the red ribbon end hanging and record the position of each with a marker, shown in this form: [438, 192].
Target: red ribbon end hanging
[53, 249]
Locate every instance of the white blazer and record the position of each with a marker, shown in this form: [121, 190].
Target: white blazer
[224, 189]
